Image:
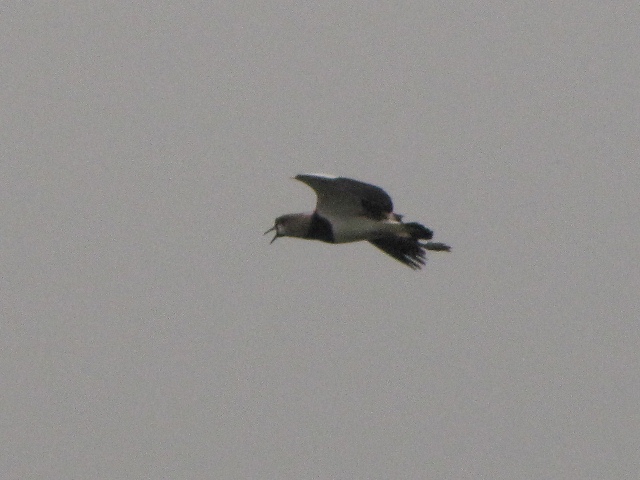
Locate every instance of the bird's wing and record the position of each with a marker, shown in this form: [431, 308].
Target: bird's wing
[345, 196]
[407, 250]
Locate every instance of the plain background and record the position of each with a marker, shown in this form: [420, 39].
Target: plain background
[149, 330]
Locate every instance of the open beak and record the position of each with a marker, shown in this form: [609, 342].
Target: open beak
[271, 230]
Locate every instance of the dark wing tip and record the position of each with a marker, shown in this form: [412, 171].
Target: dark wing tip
[373, 201]
[406, 250]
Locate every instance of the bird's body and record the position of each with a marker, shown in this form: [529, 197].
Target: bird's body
[349, 211]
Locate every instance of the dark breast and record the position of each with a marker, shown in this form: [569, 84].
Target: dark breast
[320, 229]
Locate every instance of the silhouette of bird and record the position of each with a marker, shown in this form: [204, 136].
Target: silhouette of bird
[348, 210]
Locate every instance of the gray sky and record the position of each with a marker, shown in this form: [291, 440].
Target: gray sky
[149, 330]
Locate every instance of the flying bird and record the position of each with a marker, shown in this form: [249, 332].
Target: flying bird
[350, 211]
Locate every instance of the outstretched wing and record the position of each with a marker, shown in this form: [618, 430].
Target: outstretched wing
[339, 196]
[407, 250]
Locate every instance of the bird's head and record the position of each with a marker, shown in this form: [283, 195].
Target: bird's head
[291, 225]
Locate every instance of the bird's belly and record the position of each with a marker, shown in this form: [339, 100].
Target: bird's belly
[361, 228]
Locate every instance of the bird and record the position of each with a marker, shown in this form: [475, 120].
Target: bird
[349, 210]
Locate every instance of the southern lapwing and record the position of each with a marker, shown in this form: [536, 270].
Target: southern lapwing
[349, 211]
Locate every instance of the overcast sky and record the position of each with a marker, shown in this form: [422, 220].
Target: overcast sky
[149, 330]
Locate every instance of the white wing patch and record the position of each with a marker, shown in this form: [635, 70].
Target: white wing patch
[321, 175]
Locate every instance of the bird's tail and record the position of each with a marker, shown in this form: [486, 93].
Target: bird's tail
[438, 247]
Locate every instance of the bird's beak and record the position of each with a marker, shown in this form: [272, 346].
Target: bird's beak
[271, 230]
